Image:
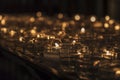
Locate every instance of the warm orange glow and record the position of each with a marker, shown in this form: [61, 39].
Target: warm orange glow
[21, 31]
[38, 36]
[107, 18]
[4, 30]
[64, 25]
[117, 27]
[3, 22]
[60, 15]
[12, 33]
[77, 17]
[93, 19]
[20, 39]
[73, 42]
[33, 32]
[82, 30]
[57, 46]
[32, 19]
[97, 24]
[72, 22]
[106, 25]
[111, 22]
[39, 14]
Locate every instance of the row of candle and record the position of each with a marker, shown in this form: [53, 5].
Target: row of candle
[62, 36]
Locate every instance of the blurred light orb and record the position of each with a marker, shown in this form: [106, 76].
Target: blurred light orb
[107, 18]
[93, 19]
[77, 17]
[117, 27]
[60, 16]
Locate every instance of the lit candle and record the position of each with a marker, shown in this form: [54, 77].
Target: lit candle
[48, 37]
[108, 54]
[117, 71]
[12, 33]
[60, 16]
[21, 30]
[38, 36]
[39, 14]
[73, 42]
[106, 25]
[32, 19]
[111, 22]
[80, 54]
[21, 39]
[57, 46]
[64, 25]
[3, 22]
[117, 27]
[93, 19]
[82, 31]
[107, 18]
[4, 30]
[97, 24]
[77, 17]
[33, 32]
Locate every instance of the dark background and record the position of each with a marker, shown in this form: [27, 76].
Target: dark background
[70, 7]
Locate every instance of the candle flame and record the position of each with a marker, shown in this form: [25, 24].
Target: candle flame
[12, 33]
[4, 30]
[106, 25]
[107, 18]
[60, 15]
[82, 30]
[117, 27]
[77, 17]
[93, 19]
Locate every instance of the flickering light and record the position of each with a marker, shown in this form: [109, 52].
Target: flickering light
[111, 22]
[96, 62]
[82, 30]
[33, 32]
[78, 52]
[21, 30]
[100, 37]
[97, 24]
[77, 17]
[107, 18]
[38, 36]
[12, 33]
[117, 71]
[3, 22]
[39, 14]
[33, 40]
[117, 27]
[52, 37]
[93, 19]
[4, 30]
[60, 15]
[106, 25]
[64, 25]
[57, 46]
[73, 42]
[108, 53]
[48, 37]
[72, 22]
[32, 19]
[20, 39]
